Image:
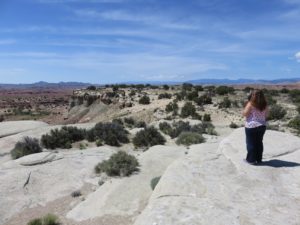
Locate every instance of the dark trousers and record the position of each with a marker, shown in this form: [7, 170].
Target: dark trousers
[254, 142]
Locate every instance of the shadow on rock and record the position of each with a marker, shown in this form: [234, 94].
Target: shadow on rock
[279, 163]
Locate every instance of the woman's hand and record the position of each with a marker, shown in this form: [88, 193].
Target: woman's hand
[247, 109]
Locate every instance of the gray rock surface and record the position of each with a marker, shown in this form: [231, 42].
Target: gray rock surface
[39, 158]
[212, 185]
[48, 181]
[127, 196]
[15, 127]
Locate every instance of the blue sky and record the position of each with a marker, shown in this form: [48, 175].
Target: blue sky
[108, 41]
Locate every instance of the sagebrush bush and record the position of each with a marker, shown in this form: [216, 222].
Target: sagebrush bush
[206, 117]
[154, 182]
[295, 123]
[223, 90]
[164, 95]
[49, 219]
[63, 138]
[226, 103]
[172, 107]
[191, 96]
[188, 110]
[110, 133]
[233, 125]
[36, 221]
[119, 164]
[26, 147]
[189, 138]
[276, 112]
[129, 121]
[165, 127]
[144, 100]
[203, 100]
[179, 127]
[148, 137]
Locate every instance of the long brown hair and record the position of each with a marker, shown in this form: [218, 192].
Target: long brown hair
[258, 100]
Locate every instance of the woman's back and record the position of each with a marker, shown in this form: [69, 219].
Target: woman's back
[256, 118]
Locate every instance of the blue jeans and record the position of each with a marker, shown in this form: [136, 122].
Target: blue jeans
[254, 142]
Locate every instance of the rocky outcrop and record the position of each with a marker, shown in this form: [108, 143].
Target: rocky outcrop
[14, 127]
[212, 185]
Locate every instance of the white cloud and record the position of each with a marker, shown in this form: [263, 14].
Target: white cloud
[297, 55]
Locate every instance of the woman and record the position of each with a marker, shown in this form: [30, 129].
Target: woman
[255, 112]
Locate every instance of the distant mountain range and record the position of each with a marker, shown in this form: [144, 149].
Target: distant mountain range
[73, 85]
[45, 85]
[244, 81]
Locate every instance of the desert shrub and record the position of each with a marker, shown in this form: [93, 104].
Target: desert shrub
[273, 127]
[36, 221]
[276, 112]
[270, 100]
[180, 95]
[226, 103]
[197, 116]
[111, 133]
[206, 117]
[1, 118]
[198, 88]
[248, 89]
[148, 137]
[165, 127]
[295, 96]
[63, 138]
[50, 219]
[179, 127]
[172, 107]
[166, 87]
[188, 110]
[118, 121]
[140, 124]
[76, 194]
[203, 100]
[154, 182]
[164, 95]
[208, 128]
[129, 121]
[99, 142]
[223, 90]
[132, 93]
[298, 109]
[233, 125]
[144, 100]
[284, 91]
[295, 123]
[26, 147]
[187, 86]
[189, 138]
[92, 88]
[119, 164]
[191, 96]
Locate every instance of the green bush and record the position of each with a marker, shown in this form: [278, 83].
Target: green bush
[26, 147]
[203, 100]
[187, 86]
[145, 100]
[154, 182]
[111, 133]
[119, 164]
[295, 123]
[189, 138]
[63, 138]
[172, 107]
[91, 88]
[165, 127]
[191, 96]
[276, 112]
[206, 117]
[140, 124]
[233, 125]
[223, 90]
[188, 110]
[132, 93]
[36, 221]
[166, 87]
[179, 127]
[164, 95]
[49, 219]
[129, 121]
[226, 103]
[148, 137]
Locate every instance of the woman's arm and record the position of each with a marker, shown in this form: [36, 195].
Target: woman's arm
[247, 109]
